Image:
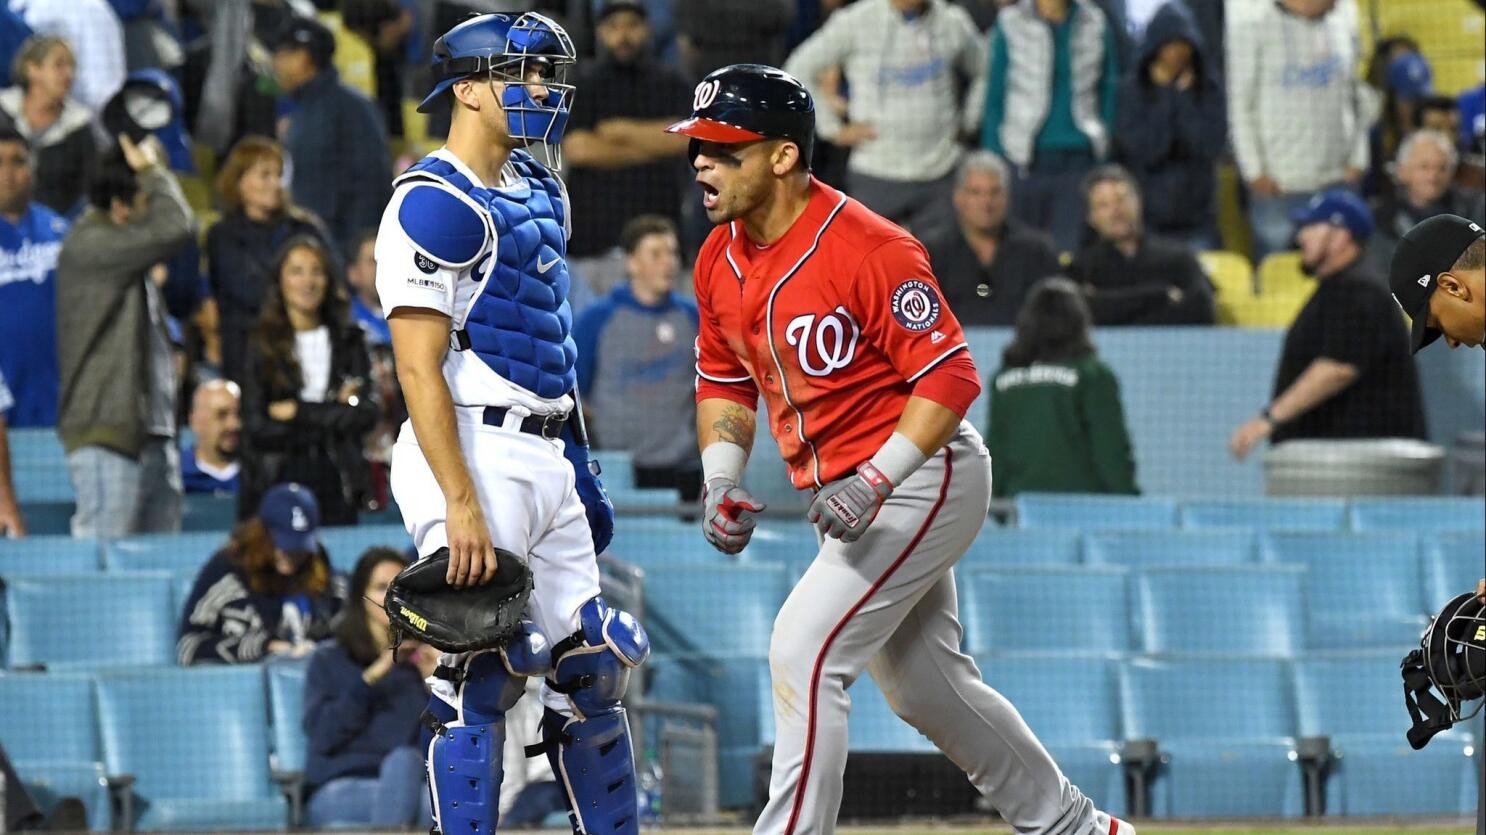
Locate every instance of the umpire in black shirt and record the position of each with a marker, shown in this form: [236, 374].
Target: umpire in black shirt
[1346, 369]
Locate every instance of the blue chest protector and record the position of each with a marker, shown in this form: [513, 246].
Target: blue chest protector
[519, 322]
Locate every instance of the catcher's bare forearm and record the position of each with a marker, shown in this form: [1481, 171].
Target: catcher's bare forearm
[720, 419]
[419, 340]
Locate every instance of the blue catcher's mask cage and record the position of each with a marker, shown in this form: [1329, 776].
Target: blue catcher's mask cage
[520, 52]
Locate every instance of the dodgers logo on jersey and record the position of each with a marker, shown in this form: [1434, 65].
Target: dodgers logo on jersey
[916, 305]
[826, 338]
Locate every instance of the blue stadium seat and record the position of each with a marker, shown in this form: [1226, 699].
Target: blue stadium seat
[1452, 565]
[662, 540]
[1139, 549]
[1381, 567]
[1061, 510]
[346, 544]
[96, 620]
[197, 743]
[48, 717]
[738, 686]
[1226, 728]
[50, 781]
[775, 540]
[39, 466]
[1353, 697]
[996, 546]
[286, 712]
[713, 608]
[1245, 610]
[1432, 513]
[1266, 514]
[207, 512]
[37, 555]
[874, 727]
[48, 518]
[180, 554]
[1081, 610]
[1072, 704]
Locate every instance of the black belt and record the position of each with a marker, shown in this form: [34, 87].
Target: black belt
[543, 426]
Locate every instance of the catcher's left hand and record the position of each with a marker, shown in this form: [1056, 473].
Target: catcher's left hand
[421, 603]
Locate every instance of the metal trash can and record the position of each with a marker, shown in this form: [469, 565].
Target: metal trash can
[1373, 467]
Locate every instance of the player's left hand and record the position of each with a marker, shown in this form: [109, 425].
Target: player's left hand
[1244, 438]
[844, 508]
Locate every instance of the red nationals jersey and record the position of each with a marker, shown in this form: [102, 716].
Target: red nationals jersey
[833, 323]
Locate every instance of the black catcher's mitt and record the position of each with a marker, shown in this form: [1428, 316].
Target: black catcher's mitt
[422, 604]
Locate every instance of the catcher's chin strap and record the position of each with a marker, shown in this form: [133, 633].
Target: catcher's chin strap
[1430, 715]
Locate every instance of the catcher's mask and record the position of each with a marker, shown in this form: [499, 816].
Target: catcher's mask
[1452, 660]
[420, 603]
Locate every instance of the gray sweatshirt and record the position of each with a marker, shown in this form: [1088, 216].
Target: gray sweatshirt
[906, 80]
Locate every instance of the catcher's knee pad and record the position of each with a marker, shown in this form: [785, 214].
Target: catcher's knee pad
[591, 667]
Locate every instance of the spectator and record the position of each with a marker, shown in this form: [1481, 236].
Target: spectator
[30, 239]
[1172, 127]
[1423, 186]
[1471, 107]
[334, 137]
[1296, 110]
[366, 312]
[59, 129]
[258, 217]
[117, 403]
[11, 523]
[94, 31]
[307, 396]
[906, 64]
[362, 703]
[635, 355]
[366, 305]
[269, 592]
[624, 163]
[211, 464]
[1131, 277]
[1345, 370]
[1054, 121]
[1056, 419]
[712, 34]
[13, 33]
[988, 261]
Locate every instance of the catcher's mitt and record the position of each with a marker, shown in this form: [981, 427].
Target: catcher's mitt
[421, 603]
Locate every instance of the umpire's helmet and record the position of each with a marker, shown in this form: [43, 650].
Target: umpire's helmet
[1452, 660]
[744, 102]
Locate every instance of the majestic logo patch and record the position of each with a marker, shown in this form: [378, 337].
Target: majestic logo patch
[916, 305]
[424, 263]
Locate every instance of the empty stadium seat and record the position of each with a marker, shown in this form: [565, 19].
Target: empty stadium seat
[1232, 277]
[738, 685]
[47, 555]
[1225, 727]
[1267, 514]
[96, 620]
[662, 540]
[207, 512]
[1353, 698]
[286, 712]
[1137, 549]
[1060, 510]
[1379, 567]
[1452, 564]
[180, 554]
[1083, 609]
[48, 518]
[39, 466]
[713, 608]
[48, 717]
[1432, 513]
[774, 540]
[998, 546]
[1247, 610]
[50, 781]
[196, 742]
[346, 544]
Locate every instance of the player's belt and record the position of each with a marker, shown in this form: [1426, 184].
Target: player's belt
[544, 426]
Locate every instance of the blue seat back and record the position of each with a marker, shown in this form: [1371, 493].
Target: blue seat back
[661, 540]
[1381, 567]
[286, 713]
[1266, 514]
[180, 554]
[1247, 610]
[996, 546]
[39, 466]
[1452, 564]
[713, 609]
[207, 512]
[1433, 513]
[1062, 510]
[1138, 549]
[95, 620]
[50, 781]
[1066, 700]
[346, 544]
[196, 733]
[48, 716]
[1083, 609]
[775, 541]
[47, 555]
[1213, 699]
[617, 468]
[1350, 693]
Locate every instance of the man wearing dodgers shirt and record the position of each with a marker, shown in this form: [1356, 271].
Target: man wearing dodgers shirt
[30, 238]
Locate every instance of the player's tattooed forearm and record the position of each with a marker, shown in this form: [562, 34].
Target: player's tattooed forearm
[736, 425]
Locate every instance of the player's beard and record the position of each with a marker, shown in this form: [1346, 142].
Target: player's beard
[740, 199]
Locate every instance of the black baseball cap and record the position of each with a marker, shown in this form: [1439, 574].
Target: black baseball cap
[1430, 248]
[306, 33]
[616, 6]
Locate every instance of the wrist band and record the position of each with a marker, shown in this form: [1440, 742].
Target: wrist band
[898, 458]
[723, 459]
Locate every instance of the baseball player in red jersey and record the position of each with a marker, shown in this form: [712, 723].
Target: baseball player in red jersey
[834, 316]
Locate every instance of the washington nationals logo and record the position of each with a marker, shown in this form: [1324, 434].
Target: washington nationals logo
[826, 338]
[916, 305]
[706, 94]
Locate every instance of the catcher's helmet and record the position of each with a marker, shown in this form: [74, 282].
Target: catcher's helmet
[744, 102]
[1452, 660]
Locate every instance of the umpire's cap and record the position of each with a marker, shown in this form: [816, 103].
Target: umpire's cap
[1430, 248]
[744, 102]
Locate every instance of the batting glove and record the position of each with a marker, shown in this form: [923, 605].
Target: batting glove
[844, 508]
[727, 516]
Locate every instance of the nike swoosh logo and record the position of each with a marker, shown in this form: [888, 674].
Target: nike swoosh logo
[543, 268]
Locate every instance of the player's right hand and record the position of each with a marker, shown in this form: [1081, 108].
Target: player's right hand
[728, 515]
[471, 554]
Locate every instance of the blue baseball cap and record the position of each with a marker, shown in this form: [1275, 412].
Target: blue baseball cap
[292, 517]
[1338, 207]
[1409, 76]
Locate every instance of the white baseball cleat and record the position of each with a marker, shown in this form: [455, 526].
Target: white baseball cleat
[1119, 827]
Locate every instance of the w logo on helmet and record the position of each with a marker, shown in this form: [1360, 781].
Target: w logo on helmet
[706, 94]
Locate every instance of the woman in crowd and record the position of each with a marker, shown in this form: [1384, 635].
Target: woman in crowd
[257, 220]
[307, 400]
[1056, 420]
[269, 592]
[60, 129]
[361, 709]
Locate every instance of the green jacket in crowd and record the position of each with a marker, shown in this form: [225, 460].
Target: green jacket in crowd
[1059, 427]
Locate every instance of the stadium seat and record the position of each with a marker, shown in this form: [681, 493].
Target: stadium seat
[1353, 698]
[996, 546]
[50, 781]
[206, 512]
[38, 555]
[1138, 549]
[49, 717]
[96, 620]
[1379, 567]
[1073, 609]
[1242, 610]
[738, 685]
[48, 518]
[774, 540]
[1072, 704]
[39, 466]
[196, 742]
[713, 608]
[1267, 514]
[1225, 728]
[1062, 510]
[662, 540]
[180, 554]
[873, 727]
[1433, 514]
[1232, 277]
[346, 544]
[286, 713]
[1452, 564]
